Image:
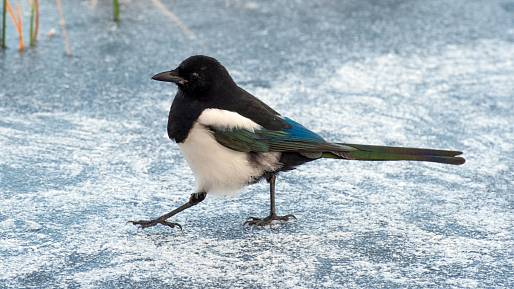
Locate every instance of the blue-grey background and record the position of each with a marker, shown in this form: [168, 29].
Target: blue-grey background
[83, 147]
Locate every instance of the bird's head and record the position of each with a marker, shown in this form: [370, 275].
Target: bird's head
[196, 75]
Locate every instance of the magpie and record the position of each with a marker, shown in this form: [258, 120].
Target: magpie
[231, 139]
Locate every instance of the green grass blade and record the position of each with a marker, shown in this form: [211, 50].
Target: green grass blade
[4, 11]
[116, 10]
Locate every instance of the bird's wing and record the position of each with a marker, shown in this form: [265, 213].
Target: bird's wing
[244, 137]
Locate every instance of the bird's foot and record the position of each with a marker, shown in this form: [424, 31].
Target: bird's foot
[252, 221]
[150, 223]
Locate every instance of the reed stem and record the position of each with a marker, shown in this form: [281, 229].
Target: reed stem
[173, 17]
[62, 22]
[116, 10]
[36, 20]
[31, 34]
[18, 23]
[4, 11]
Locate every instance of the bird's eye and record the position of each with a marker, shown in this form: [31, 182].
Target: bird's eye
[195, 75]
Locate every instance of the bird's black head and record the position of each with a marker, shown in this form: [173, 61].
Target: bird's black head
[197, 75]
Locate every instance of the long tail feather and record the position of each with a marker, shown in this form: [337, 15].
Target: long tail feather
[386, 153]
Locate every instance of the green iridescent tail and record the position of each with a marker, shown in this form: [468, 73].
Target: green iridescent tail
[386, 153]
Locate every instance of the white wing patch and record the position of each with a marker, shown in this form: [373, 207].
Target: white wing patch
[226, 119]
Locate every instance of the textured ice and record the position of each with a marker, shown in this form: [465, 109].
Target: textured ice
[83, 147]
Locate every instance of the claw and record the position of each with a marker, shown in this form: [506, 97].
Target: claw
[250, 221]
[172, 225]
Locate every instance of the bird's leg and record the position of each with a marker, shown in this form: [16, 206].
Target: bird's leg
[273, 213]
[193, 200]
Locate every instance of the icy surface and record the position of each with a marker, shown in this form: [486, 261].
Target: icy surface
[83, 147]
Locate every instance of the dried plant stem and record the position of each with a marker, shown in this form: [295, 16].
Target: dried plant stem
[190, 34]
[36, 21]
[31, 33]
[67, 47]
[17, 21]
[21, 44]
[116, 10]
[4, 11]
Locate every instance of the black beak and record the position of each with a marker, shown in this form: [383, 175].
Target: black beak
[169, 76]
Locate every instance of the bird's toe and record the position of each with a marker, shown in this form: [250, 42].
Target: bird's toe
[142, 224]
[268, 221]
[171, 225]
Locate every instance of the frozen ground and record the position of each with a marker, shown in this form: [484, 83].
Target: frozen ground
[83, 147]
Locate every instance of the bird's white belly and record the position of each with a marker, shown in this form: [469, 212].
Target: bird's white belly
[218, 169]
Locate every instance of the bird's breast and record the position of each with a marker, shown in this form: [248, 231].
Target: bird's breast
[218, 169]
[183, 114]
